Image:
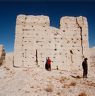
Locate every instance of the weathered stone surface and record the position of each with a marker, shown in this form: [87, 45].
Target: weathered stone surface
[36, 40]
[2, 54]
[92, 55]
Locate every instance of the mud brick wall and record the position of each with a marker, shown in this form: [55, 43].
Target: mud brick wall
[35, 40]
[76, 34]
[92, 56]
[2, 54]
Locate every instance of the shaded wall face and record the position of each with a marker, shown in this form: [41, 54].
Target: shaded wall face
[35, 40]
[1, 50]
[2, 54]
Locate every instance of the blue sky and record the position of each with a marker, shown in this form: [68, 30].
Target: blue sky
[55, 10]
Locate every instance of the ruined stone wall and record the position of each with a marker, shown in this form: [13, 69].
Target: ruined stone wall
[76, 39]
[92, 55]
[2, 54]
[35, 40]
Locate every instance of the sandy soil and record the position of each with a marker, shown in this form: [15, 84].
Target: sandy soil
[36, 81]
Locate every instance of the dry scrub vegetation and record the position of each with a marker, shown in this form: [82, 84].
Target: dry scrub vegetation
[89, 83]
[49, 88]
[73, 83]
[83, 94]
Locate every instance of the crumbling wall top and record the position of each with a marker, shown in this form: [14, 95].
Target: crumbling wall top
[34, 20]
[73, 20]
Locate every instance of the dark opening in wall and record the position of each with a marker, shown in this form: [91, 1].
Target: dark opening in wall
[26, 29]
[55, 49]
[72, 39]
[73, 34]
[61, 45]
[25, 18]
[63, 62]
[56, 34]
[78, 50]
[37, 34]
[42, 37]
[37, 41]
[74, 42]
[25, 49]
[68, 41]
[41, 45]
[71, 51]
[55, 38]
[53, 57]
[45, 22]
[22, 54]
[63, 30]
[49, 41]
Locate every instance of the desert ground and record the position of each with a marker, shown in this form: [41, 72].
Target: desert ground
[35, 81]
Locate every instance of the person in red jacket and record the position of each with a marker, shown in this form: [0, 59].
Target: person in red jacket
[49, 64]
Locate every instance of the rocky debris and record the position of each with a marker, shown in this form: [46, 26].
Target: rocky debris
[49, 88]
[83, 94]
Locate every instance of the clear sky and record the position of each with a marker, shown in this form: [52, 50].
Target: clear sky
[55, 10]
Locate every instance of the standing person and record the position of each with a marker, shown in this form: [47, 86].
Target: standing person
[46, 65]
[85, 67]
[49, 64]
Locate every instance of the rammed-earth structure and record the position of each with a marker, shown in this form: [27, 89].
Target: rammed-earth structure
[35, 40]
